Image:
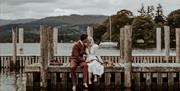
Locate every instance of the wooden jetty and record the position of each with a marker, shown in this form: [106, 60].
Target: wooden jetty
[147, 71]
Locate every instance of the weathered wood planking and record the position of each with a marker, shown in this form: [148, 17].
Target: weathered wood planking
[148, 69]
[136, 67]
[128, 55]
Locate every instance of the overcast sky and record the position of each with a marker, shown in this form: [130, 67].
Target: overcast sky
[18, 9]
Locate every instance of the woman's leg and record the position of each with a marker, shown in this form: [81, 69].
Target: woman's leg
[95, 78]
[97, 71]
[90, 65]
[90, 75]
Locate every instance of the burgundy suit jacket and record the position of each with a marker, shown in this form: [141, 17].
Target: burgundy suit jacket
[78, 51]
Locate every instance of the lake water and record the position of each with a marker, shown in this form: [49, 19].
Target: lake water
[12, 81]
[64, 49]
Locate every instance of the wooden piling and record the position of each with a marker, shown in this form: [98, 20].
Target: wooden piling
[177, 45]
[158, 39]
[121, 45]
[128, 55]
[137, 79]
[44, 55]
[107, 79]
[90, 31]
[117, 79]
[29, 80]
[64, 81]
[159, 79]
[55, 39]
[50, 44]
[148, 80]
[167, 42]
[14, 40]
[53, 78]
[51, 54]
[170, 79]
[21, 40]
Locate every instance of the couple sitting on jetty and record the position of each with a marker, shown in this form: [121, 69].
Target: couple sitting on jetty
[91, 65]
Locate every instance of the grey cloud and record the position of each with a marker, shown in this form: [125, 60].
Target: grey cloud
[90, 4]
[26, 11]
[19, 2]
[43, 8]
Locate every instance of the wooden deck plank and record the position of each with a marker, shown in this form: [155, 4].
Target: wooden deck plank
[158, 69]
[136, 67]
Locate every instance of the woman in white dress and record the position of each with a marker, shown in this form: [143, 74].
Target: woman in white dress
[94, 61]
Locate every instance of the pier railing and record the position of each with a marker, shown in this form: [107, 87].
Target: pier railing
[23, 61]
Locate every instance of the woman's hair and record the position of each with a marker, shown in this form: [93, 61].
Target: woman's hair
[90, 41]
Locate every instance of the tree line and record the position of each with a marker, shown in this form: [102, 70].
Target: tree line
[144, 26]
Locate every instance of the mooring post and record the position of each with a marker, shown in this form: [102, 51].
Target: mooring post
[29, 80]
[64, 80]
[177, 45]
[158, 39]
[167, 42]
[170, 80]
[121, 45]
[137, 79]
[55, 39]
[21, 40]
[118, 79]
[44, 55]
[148, 80]
[50, 43]
[107, 78]
[14, 40]
[128, 55]
[159, 80]
[51, 54]
[90, 31]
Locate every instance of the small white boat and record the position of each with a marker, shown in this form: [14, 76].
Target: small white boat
[108, 44]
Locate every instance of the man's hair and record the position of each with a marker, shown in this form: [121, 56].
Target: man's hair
[83, 37]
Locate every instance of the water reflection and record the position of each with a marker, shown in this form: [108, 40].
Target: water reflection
[12, 80]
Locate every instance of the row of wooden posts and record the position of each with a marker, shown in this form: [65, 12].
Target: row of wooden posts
[126, 46]
[46, 53]
[90, 32]
[23, 61]
[158, 42]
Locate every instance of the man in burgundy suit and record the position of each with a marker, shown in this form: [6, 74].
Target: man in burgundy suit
[77, 59]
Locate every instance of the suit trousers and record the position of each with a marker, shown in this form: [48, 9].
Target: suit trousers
[84, 67]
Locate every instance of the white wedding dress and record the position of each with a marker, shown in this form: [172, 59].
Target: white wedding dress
[94, 66]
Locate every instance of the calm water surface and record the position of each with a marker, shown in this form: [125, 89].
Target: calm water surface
[64, 49]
